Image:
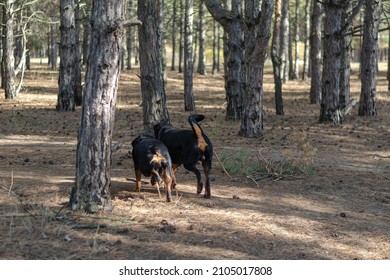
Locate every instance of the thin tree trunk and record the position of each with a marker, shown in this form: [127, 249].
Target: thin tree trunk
[53, 42]
[189, 102]
[315, 52]
[129, 35]
[174, 11]
[305, 68]
[78, 96]
[9, 59]
[215, 47]
[285, 40]
[151, 65]
[367, 103]
[295, 68]
[181, 36]
[202, 41]
[93, 165]
[276, 56]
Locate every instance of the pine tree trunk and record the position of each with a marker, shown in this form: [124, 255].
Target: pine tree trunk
[174, 12]
[93, 165]
[67, 75]
[346, 48]
[367, 103]
[215, 47]
[181, 36]
[234, 51]
[202, 41]
[305, 72]
[276, 57]
[129, 35]
[9, 59]
[315, 52]
[53, 47]
[256, 36]
[189, 102]
[295, 70]
[330, 103]
[151, 65]
[78, 95]
[285, 40]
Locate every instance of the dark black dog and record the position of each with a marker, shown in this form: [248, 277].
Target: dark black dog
[151, 159]
[187, 147]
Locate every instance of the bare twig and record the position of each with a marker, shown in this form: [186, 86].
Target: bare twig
[223, 167]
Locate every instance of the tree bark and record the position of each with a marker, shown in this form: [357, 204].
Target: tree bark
[189, 102]
[231, 21]
[54, 47]
[174, 12]
[367, 102]
[257, 27]
[202, 41]
[67, 73]
[9, 59]
[276, 56]
[151, 65]
[93, 164]
[330, 103]
[129, 35]
[315, 52]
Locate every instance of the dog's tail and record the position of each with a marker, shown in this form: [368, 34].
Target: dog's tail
[193, 120]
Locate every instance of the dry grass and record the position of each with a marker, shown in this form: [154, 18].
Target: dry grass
[337, 207]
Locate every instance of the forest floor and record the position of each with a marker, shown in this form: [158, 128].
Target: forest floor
[303, 191]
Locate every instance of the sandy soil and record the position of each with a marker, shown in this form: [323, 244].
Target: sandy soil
[303, 191]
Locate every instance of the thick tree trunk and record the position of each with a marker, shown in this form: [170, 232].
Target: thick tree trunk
[276, 56]
[86, 38]
[202, 41]
[315, 52]
[189, 102]
[9, 59]
[151, 65]
[346, 48]
[67, 75]
[367, 102]
[330, 103]
[257, 35]
[234, 62]
[93, 165]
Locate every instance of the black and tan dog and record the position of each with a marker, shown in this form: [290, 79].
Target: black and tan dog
[151, 159]
[187, 147]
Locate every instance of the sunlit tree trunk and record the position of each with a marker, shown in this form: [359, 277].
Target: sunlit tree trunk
[93, 158]
[8, 58]
[231, 20]
[257, 34]
[151, 64]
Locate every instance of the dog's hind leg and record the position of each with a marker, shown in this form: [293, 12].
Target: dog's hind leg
[198, 177]
[207, 170]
